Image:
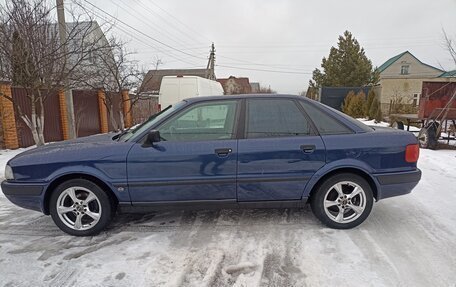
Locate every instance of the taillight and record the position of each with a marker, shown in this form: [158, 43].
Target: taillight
[412, 153]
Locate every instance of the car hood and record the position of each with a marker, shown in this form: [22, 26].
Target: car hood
[85, 148]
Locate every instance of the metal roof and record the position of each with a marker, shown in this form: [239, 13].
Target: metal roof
[392, 60]
[448, 74]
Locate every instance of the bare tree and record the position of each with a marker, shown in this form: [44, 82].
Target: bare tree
[266, 90]
[118, 72]
[450, 46]
[32, 57]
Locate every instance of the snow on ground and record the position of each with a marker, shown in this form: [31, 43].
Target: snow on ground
[385, 124]
[406, 241]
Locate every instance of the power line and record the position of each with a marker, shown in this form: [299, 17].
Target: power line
[139, 39]
[142, 33]
[179, 21]
[170, 23]
[127, 9]
[264, 70]
[245, 62]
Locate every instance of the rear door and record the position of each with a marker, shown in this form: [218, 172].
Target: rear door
[279, 153]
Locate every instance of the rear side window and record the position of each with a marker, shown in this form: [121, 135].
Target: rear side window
[325, 124]
[275, 118]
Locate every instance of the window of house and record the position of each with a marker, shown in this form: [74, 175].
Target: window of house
[415, 99]
[202, 122]
[404, 69]
[275, 118]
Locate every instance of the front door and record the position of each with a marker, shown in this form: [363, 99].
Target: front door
[280, 151]
[195, 160]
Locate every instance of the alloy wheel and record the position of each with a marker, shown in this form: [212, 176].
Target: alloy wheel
[344, 202]
[78, 208]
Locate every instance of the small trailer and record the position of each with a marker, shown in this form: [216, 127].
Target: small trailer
[437, 108]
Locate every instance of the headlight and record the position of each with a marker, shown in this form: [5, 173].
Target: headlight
[9, 172]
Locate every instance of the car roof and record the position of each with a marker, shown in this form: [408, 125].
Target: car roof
[355, 125]
[245, 96]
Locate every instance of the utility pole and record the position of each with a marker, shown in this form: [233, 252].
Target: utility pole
[68, 94]
[210, 72]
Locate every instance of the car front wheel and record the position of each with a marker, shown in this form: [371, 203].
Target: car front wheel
[343, 201]
[80, 207]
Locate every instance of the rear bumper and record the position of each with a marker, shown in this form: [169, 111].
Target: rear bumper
[395, 184]
[26, 195]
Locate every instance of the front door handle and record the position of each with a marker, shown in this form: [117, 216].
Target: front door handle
[223, 151]
[308, 148]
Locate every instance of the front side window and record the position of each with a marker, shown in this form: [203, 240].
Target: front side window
[201, 122]
[275, 118]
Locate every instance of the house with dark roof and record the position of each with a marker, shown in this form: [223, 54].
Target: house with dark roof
[401, 77]
[152, 80]
[233, 85]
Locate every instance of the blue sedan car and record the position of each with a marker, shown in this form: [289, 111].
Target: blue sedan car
[251, 151]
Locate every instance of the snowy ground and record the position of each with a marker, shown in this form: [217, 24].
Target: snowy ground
[406, 241]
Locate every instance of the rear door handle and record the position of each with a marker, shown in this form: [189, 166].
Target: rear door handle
[223, 151]
[308, 148]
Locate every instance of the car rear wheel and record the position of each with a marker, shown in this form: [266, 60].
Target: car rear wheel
[343, 201]
[80, 207]
[428, 137]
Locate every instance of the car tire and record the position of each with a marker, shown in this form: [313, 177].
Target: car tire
[342, 201]
[428, 137]
[79, 207]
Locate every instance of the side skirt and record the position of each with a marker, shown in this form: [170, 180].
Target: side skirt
[145, 207]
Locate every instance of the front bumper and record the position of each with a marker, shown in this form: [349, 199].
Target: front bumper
[395, 184]
[26, 195]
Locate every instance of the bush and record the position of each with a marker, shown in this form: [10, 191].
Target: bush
[347, 101]
[399, 106]
[370, 99]
[375, 111]
[355, 105]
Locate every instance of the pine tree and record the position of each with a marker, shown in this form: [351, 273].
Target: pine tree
[370, 99]
[354, 104]
[347, 100]
[375, 111]
[357, 105]
[346, 66]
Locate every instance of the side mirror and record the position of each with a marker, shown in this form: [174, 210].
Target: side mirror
[153, 137]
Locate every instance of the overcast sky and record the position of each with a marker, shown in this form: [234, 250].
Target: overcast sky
[279, 36]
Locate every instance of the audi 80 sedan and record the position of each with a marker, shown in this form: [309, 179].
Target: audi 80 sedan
[252, 151]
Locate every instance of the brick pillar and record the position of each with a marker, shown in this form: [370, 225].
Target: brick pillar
[126, 105]
[104, 128]
[7, 117]
[63, 115]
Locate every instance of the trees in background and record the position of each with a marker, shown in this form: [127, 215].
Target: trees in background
[117, 72]
[357, 106]
[375, 111]
[450, 46]
[346, 66]
[33, 57]
[266, 90]
[354, 104]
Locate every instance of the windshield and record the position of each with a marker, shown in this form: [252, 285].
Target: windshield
[150, 122]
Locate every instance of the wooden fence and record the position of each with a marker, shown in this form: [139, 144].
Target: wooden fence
[91, 115]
